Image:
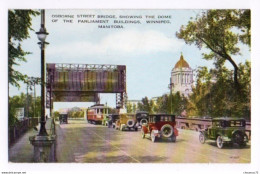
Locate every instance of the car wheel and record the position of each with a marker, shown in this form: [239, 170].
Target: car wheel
[202, 138]
[220, 142]
[143, 134]
[238, 138]
[167, 131]
[153, 137]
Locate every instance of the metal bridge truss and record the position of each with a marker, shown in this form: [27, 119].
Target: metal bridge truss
[121, 97]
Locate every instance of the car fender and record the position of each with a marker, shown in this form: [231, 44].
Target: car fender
[156, 134]
[175, 131]
[145, 129]
[220, 134]
[237, 130]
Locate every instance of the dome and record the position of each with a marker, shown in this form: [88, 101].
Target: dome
[181, 63]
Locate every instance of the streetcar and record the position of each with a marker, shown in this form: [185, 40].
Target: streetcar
[96, 113]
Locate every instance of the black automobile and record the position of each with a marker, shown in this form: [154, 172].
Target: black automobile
[142, 117]
[226, 131]
[63, 118]
[112, 120]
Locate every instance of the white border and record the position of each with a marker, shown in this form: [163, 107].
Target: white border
[132, 168]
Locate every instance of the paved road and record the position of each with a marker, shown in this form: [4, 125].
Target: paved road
[81, 142]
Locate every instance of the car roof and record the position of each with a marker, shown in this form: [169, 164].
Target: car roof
[227, 119]
[137, 112]
[162, 115]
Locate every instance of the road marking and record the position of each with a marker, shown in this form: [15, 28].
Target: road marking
[117, 148]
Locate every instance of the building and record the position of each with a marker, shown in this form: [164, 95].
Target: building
[182, 78]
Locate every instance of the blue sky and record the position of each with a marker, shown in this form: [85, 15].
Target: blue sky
[149, 51]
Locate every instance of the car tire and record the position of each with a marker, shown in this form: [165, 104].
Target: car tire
[202, 138]
[143, 134]
[130, 123]
[165, 130]
[238, 138]
[220, 142]
[153, 137]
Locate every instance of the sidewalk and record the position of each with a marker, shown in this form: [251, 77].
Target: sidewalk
[22, 150]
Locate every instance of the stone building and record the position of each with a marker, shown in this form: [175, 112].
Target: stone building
[182, 78]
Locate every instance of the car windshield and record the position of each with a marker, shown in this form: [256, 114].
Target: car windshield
[227, 123]
[159, 118]
[129, 116]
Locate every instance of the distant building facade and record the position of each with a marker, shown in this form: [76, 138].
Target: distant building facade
[182, 78]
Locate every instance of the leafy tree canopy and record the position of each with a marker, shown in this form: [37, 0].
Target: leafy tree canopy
[19, 26]
[220, 31]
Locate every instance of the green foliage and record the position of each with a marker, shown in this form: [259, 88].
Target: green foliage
[76, 112]
[146, 105]
[19, 22]
[20, 101]
[170, 104]
[129, 108]
[56, 115]
[214, 95]
[219, 31]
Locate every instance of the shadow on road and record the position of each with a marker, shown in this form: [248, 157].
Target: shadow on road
[230, 146]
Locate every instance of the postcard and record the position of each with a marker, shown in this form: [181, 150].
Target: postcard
[123, 87]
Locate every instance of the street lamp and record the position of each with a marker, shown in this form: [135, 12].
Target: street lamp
[171, 85]
[42, 34]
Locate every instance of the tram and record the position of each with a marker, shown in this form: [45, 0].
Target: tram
[96, 113]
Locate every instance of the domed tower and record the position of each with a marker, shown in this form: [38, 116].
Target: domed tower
[182, 78]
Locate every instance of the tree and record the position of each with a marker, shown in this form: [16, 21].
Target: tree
[129, 108]
[214, 95]
[19, 25]
[146, 105]
[20, 101]
[56, 115]
[220, 31]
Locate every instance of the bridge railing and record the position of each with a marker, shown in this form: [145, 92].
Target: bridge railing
[15, 132]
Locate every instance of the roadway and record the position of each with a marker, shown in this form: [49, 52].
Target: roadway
[82, 142]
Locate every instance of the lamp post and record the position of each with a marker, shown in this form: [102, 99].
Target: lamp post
[171, 85]
[44, 149]
[42, 34]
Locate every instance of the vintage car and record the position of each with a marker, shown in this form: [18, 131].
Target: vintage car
[142, 118]
[225, 131]
[63, 118]
[112, 118]
[160, 126]
[126, 121]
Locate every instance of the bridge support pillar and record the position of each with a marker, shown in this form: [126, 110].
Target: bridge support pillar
[44, 148]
